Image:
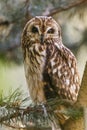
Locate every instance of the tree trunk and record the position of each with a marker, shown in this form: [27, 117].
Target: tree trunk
[80, 124]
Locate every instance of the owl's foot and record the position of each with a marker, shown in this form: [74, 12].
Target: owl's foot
[45, 110]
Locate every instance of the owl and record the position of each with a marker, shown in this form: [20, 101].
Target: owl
[50, 67]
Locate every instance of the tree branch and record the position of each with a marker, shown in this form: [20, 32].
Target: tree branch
[66, 7]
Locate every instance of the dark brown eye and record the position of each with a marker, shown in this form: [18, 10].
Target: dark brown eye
[34, 29]
[51, 31]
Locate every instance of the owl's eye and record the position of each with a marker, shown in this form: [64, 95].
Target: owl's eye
[34, 29]
[51, 31]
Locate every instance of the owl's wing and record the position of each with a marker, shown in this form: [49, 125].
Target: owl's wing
[62, 75]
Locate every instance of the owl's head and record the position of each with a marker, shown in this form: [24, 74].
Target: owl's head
[41, 29]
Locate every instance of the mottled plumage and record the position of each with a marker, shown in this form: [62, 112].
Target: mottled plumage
[50, 67]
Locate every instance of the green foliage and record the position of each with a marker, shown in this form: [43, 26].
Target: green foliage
[14, 99]
[11, 98]
[74, 113]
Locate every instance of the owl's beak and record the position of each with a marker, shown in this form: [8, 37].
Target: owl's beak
[42, 38]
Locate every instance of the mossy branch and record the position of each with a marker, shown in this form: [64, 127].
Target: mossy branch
[14, 112]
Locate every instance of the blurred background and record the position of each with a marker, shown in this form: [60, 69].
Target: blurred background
[72, 16]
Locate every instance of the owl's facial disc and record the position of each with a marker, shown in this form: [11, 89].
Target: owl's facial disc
[41, 29]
